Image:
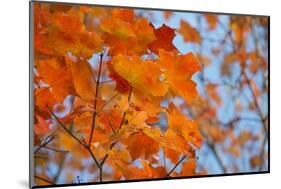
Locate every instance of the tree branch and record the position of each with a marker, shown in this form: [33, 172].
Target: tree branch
[64, 127]
[219, 160]
[106, 156]
[95, 101]
[61, 165]
[172, 170]
[93, 156]
[121, 123]
[100, 173]
[44, 144]
[255, 102]
[74, 137]
[55, 150]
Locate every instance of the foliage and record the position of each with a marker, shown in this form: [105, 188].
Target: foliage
[107, 83]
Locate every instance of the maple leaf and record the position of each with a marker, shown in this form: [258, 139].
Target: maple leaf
[117, 27]
[68, 23]
[181, 125]
[149, 104]
[83, 120]
[122, 85]
[144, 31]
[120, 155]
[83, 77]
[146, 150]
[211, 89]
[152, 172]
[60, 8]
[42, 125]
[212, 21]
[178, 70]
[110, 120]
[56, 74]
[133, 44]
[255, 161]
[170, 140]
[164, 39]
[66, 33]
[188, 168]
[168, 15]
[83, 44]
[189, 33]
[175, 141]
[126, 15]
[171, 154]
[240, 26]
[152, 120]
[44, 98]
[142, 75]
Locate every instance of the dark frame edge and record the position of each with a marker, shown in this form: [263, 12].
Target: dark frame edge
[268, 100]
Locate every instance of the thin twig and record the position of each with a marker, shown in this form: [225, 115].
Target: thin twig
[109, 100]
[56, 150]
[107, 81]
[172, 170]
[74, 137]
[124, 114]
[64, 127]
[219, 160]
[95, 101]
[45, 180]
[93, 156]
[106, 156]
[44, 144]
[256, 102]
[121, 123]
[78, 179]
[61, 165]
[100, 173]
[113, 130]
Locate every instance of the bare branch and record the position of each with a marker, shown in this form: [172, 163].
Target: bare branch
[74, 137]
[64, 127]
[56, 150]
[172, 170]
[45, 143]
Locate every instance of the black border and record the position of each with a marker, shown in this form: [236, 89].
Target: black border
[134, 180]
